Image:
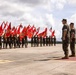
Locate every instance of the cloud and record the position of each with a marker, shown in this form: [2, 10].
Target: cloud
[72, 2]
[58, 4]
[30, 2]
[37, 12]
[41, 13]
[73, 19]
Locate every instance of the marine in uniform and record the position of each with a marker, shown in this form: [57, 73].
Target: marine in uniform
[4, 41]
[41, 41]
[72, 40]
[65, 38]
[9, 41]
[26, 41]
[14, 40]
[49, 39]
[37, 41]
[18, 41]
[23, 42]
[44, 41]
[32, 42]
[54, 40]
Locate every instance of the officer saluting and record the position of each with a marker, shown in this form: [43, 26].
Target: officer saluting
[72, 40]
[65, 38]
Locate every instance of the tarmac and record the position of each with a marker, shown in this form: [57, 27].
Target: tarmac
[36, 61]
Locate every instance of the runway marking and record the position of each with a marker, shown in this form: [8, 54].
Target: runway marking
[5, 61]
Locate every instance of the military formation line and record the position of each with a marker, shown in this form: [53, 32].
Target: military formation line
[17, 37]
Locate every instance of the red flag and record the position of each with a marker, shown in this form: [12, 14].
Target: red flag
[8, 31]
[28, 27]
[29, 34]
[24, 31]
[43, 34]
[37, 31]
[34, 30]
[18, 31]
[9, 27]
[2, 23]
[21, 26]
[31, 31]
[53, 33]
[13, 28]
[40, 34]
[15, 31]
[50, 29]
[5, 24]
[1, 30]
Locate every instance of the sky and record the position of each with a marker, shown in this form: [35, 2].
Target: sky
[41, 13]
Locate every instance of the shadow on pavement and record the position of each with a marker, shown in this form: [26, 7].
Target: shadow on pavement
[49, 58]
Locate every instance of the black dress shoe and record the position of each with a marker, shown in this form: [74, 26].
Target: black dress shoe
[65, 57]
[72, 56]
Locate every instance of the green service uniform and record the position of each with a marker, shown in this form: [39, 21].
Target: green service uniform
[72, 41]
[54, 41]
[65, 42]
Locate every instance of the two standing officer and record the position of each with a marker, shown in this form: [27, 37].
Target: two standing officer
[65, 38]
